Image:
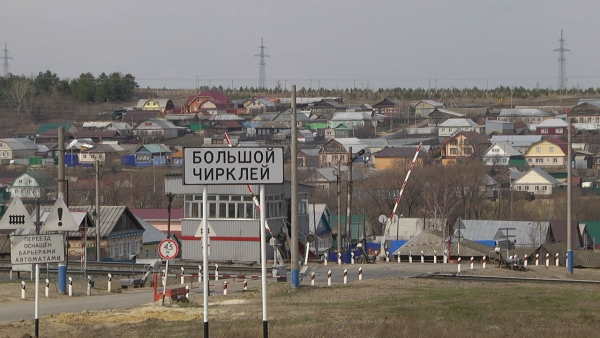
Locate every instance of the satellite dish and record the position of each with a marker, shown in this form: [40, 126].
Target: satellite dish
[382, 219]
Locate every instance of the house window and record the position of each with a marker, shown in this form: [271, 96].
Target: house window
[555, 160]
[544, 187]
[526, 187]
[453, 151]
[537, 188]
[519, 187]
[559, 130]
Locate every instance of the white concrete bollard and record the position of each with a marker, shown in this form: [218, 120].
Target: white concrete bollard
[537, 259]
[70, 287]
[199, 274]
[398, 258]
[339, 256]
[109, 288]
[445, 259]
[10, 274]
[472, 264]
[556, 259]
[525, 262]
[245, 285]
[325, 260]
[89, 286]
[345, 276]
[224, 288]
[434, 257]
[329, 278]
[360, 273]
[458, 264]
[187, 292]
[483, 263]
[410, 256]
[182, 278]
[47, 288]
[422, 257]
[312, 279]
[22, 289]
[216, 271]
[547, 259]
[387, 257]
[352, 257]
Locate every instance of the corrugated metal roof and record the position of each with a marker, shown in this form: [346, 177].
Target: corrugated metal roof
[552, 123]
[523, 112]
[506, 148]
[527, 233]
[19, 143]
[517, 140]
[458, 123]
[430, 241]
[109, 217]
[542, 173]
[352, 116]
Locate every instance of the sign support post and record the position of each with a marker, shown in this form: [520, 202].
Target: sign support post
[205, 258]
[35, 312]
[263, 262]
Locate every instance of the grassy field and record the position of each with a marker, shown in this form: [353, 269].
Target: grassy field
[376, 308]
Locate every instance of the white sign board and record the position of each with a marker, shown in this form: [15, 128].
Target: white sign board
[16, 217]
[60, 218]
[37, 249]
[216, 166]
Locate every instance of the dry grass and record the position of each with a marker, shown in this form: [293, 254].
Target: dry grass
[383, 308]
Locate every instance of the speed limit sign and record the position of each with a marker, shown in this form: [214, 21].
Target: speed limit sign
[168, 249]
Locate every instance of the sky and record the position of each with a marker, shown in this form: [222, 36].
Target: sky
[331, 43]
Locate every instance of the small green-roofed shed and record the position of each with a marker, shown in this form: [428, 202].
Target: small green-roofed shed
[356, 225]
[593, 229]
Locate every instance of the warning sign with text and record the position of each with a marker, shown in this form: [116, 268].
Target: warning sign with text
[37, 249]
[260, 165]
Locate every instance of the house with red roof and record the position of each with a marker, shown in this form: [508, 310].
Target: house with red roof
[209, 101]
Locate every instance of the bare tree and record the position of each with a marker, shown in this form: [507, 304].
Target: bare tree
[20, 93]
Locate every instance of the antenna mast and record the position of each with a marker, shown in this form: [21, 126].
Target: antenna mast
[262, 65]
[5, 58]
[562, 62]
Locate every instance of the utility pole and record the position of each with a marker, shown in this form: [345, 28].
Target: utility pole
[562, 62]
[349, 195]
[61, 162]
[569, 262]
[295, 269]
[169, 206]
[97, 218]
[262, 65]
[5, 59]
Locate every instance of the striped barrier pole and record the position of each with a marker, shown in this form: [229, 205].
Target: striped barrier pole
[312, 279]
[537, 259]
[422, 257]
[187, 292]
[47, 288]
[216, 271]
[329, 278]
[245, 285]
[109, 288]
[224, 288]
[483, 264]
[556, 259]
[547, 259]
[70, 286]
[182, 278]
[360, 273]
[345, 276]
[458, 264]
[22, 289]
[352, 257]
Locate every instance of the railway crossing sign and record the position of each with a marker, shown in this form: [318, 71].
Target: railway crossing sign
[227, 165]
[16, 217]
[33, 249]
[168, 249]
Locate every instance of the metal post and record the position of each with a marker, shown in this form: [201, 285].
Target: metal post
[263, 261]
[339, 207]
[294, 268]
[205, 258]
[169, 206]
[349, 196]
[569, 226]
[97, 219]
[37, 287]
[62, 266]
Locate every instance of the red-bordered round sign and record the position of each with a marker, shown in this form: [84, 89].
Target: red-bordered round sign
[168, 249]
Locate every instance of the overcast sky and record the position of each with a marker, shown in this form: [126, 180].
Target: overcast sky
[341, 43]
